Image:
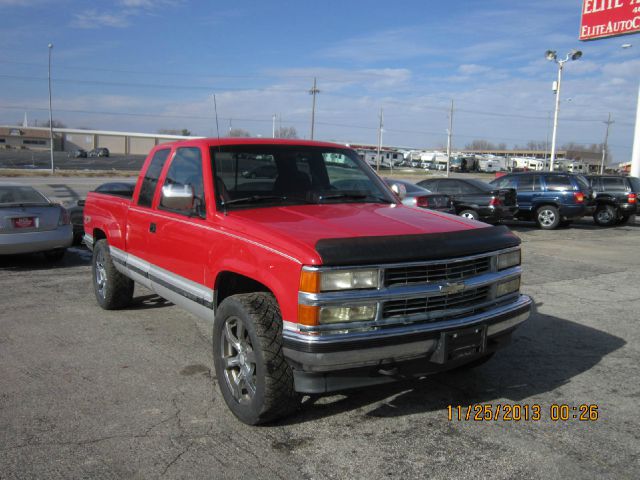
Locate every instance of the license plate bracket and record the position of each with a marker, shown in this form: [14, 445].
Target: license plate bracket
[457, 344]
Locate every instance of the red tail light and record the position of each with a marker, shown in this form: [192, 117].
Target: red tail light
[64, 219]
[495, 202]
[578, 197]
[632, 198]
[422, 202]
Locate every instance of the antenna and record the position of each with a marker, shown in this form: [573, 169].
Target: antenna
[215, 108]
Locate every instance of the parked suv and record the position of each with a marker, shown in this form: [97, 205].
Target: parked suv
[616, 198]
[551, 199]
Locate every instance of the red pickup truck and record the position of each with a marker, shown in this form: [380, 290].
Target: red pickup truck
[313, 274]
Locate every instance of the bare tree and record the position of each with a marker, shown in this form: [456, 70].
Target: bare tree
[286, 132]
[480, 145]
[239, 132]
[171, 131]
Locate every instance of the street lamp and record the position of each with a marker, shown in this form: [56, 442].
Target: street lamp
[553, 57]
[50, 112]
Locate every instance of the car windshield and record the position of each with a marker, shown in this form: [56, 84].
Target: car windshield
[484, 186]
[248, 176]
[21, 195]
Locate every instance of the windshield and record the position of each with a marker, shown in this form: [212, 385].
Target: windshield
[20, 195]
[583, 182]
[268, 175]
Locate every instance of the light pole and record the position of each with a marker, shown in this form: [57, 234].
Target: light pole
[50, 112]
[314, 91]
[553, 57]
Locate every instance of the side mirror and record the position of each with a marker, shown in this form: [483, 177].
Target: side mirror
[400, 190]
[177, 197]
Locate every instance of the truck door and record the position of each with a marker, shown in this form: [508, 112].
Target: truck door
[140, 218]
[180, 240]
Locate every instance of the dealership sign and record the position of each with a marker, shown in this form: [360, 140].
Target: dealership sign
[609, 18]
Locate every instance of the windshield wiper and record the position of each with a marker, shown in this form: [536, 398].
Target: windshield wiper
[353, 196]
[264, 198]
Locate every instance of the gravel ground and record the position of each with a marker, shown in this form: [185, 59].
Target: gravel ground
[86, 393]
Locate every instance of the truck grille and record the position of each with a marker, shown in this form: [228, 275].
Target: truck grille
[439, 272]
[414, 306]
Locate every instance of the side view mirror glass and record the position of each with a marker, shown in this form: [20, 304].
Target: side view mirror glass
[400, 190]
[177, 197]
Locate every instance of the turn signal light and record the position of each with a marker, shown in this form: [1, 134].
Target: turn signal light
[632, 198]
[308, 315]
[309, 281]
[578, 197]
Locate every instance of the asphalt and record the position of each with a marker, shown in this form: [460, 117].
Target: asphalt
[86, 393]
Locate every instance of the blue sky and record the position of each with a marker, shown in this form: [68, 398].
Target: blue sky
[143, 65]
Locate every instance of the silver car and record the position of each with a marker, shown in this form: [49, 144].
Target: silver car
[30, 222]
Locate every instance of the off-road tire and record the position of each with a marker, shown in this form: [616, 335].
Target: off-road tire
[547, 217]
[113, 290]
[605, 216]
[470, 214]
[250, 358]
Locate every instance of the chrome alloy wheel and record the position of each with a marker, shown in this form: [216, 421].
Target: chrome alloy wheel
[239, 360]
[546, 217]
[101, 274]
[604, 215]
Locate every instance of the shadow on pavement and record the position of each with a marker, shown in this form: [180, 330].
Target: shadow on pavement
[74, 257]
[546, 353]
[147, 302]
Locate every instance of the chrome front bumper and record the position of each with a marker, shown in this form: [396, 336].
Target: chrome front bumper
[327, 353]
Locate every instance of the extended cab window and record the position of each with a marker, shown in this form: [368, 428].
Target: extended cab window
[151, 176]
[247, 176]
[186, 170]
[528, 183]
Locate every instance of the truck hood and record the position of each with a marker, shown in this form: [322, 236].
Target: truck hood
[305, 231]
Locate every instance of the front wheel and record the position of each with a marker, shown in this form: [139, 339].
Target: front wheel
[470, 214]
[605, 216]
[548, 217]
[113, 289]
[255, 379]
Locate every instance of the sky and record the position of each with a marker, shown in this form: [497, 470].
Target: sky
[145, 65]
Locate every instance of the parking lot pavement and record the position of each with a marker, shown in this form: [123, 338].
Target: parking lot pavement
[86, 393]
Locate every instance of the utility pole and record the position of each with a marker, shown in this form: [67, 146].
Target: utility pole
[314, 91]
[230, 127]
[449, 133]
[379, 140]
[273, 125]
[50, 46]
[604, 145]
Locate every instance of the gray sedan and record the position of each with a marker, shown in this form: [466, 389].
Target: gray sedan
[30, 222]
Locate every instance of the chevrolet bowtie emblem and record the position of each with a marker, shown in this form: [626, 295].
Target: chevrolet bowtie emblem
[452, 287]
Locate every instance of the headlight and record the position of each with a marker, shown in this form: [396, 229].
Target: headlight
[360, 313]
[335, 280]
[507, 287]
[510, 259]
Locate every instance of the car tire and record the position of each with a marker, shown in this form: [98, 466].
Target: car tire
[470, 214]
[255, 380]
[55, 255]
[113, 290]
[548, 217]
[605, 216]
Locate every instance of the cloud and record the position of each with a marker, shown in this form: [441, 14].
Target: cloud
[384, 45]
[91, 19]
